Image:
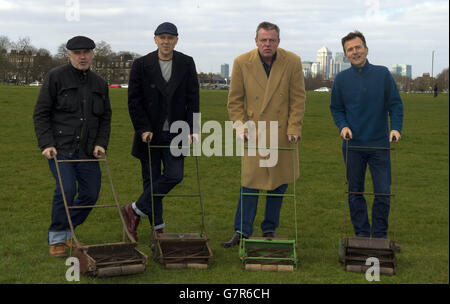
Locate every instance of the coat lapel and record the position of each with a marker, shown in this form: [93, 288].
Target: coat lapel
[256, 69]
[153, 72]
[276, 73]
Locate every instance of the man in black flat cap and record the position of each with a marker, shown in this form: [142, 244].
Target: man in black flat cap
[163, 88]
[72, 119]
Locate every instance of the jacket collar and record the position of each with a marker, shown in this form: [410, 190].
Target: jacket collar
[362, 69]
[153, 71]
[81, 75]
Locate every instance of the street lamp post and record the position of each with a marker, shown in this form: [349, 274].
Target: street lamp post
[432, 64]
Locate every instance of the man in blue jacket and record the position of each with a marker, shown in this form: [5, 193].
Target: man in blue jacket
[363, 99]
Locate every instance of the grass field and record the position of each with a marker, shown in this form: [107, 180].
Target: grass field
[420, 209]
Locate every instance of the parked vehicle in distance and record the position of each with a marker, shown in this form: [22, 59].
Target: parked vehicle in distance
[35, 84]
[114, 85]
[124, 85]
[323, 89]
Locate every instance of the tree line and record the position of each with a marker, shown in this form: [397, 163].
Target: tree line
[22, 63]
[424, 83]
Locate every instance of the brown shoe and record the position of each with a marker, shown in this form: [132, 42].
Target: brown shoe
[70, 243]
[58, 250]
[131, 220]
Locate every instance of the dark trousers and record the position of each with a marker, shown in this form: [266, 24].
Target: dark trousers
[167, 172]
[249, 208]
[81, 182]
[380, 168]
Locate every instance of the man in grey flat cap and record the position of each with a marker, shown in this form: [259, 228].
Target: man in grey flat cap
[163, 88]
[72, 119]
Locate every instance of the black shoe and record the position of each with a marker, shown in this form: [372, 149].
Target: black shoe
[270, 234]
[234, 240]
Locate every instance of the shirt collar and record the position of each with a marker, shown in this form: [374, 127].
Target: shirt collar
[267, 67]
[273, 59]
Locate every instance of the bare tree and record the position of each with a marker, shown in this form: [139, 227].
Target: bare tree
[103, 59]
[423, 83]
[42, 63]
[22, 59]
[404, 83]
[5, 66]
[442, 80]
[317, 81]
[5, 44]
[61, 56]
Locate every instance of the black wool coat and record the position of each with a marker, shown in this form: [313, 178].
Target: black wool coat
[152, 100]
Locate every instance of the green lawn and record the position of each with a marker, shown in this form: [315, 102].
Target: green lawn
[420, 209]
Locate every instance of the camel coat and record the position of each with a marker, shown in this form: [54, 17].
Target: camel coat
[280, 97]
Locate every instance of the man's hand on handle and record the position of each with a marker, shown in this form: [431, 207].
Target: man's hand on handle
[394, 136]
[346, 133]
[147, 135]
[49, 152]
[293, 138]
[99, 152]
[194, 138]
[243, 136]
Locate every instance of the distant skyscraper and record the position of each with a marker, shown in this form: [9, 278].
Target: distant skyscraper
[225, 70]
[324, 57]
[402, 69]
[315, 68]
[340, 62]
[306, 65]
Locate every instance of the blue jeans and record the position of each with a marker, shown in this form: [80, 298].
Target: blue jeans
[81, 183]
[380, 168]
[163, 180]
[249, 208]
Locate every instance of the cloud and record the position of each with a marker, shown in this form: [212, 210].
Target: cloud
[7, 5]
[214, 32]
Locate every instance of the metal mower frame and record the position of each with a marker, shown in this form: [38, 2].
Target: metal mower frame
[110, 259]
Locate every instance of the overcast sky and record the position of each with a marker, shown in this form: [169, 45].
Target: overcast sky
[216, 31]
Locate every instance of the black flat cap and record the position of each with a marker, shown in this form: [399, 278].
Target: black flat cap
[166, 28]
[80, 42]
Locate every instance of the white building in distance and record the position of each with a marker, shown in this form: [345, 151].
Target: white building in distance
[340, 63]
[325, 59]
[402, 70]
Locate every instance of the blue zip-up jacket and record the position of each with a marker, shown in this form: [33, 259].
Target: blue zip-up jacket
[362, 99]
